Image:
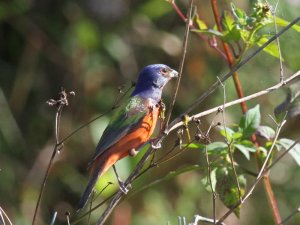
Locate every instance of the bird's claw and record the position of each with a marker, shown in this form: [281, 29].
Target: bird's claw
[155, 145]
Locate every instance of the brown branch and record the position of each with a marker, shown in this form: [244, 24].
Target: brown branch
[230, 59]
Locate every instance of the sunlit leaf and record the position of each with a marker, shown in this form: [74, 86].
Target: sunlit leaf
[294, 152]
[237, 135]
[194, 145]
[250, 121]
[227, 133]
[271, 49]
[210, 32]
[227, 21]
[283, 23]
[213, 147]
[201, 24]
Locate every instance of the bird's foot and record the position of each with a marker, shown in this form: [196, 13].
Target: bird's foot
[132, 152]
[155, 145]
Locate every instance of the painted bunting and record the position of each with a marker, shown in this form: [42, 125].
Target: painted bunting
[131, 126]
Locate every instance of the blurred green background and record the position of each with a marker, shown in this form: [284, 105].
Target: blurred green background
[92, 47]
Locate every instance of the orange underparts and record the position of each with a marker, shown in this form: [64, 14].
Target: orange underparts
[133, 140]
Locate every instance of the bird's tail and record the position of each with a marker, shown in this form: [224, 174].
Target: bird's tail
[97, 170]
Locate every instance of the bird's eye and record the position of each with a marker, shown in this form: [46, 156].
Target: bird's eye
[164, 71]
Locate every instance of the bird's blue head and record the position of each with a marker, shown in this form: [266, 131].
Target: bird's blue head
[152, 79]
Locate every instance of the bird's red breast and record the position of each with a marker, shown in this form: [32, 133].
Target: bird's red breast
[132, 141]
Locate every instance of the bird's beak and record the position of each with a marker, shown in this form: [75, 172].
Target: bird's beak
[173, 74]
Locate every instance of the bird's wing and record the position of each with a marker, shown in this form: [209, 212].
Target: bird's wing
[124, 120]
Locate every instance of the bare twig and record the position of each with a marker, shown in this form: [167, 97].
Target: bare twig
[211, 185]
[53, 218]
[273, 11]
[229, 149]
[185, 41]
[296, 211]
[60, 103]
[2, 212]
[278, 129]
[199, 218]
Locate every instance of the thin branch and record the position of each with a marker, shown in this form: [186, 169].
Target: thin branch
[296, 211]
[174, 126]
[211, 41]
[211, 185]
[185, 41]
[53, 218]
[278, 129]
[281, 76]
[63, 101]
[5, 215]
[204, 219]
[115, 105]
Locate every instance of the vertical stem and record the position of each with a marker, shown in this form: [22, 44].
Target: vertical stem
[230, 60]
[228, 54]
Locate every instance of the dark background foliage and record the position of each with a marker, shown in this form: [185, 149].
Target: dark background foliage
[92, 47]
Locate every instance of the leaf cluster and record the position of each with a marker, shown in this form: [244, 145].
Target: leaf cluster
[237, 139]
[242, 30]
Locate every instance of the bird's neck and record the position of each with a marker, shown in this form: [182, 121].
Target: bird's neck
[153, 93]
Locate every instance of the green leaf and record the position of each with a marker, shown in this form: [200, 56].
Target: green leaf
[228, 21]
[201, 24]
[283, 23]
[215, 147]
[245, 147]
[265, 132]
[227, 133]
[243, 150]
[239, 14]
[250, 121]
[291, 104]
[193, 145]
[230, 28]
[205, 181]
[227, 188]
[294, 152]
[210, 32]
[237, 135]
[271, 49]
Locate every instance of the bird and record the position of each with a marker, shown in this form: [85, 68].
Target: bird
[131, 125]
